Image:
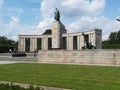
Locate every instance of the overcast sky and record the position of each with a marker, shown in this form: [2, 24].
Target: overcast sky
[35, 16]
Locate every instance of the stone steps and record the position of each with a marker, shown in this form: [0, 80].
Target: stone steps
[29, 59]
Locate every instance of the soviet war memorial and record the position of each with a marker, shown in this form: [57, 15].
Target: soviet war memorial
[58, 59]
[62, 47]
[60, 39]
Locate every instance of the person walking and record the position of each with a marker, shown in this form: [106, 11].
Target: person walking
[35, 52]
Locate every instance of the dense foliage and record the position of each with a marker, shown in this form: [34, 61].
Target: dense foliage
[6, 44]
[4, 41]
[113, 41]
[15, 87]
[48, 31]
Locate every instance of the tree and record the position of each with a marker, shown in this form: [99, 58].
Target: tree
[118, 37]
[113, 37]
[4, 41]
[48, 31]
[113, 41]
[6, 44]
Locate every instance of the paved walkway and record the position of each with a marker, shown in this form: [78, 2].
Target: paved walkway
[7, 62]
[6, 58]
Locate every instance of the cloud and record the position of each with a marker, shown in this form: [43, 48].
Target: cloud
[19, 10]
[78, 8]
[45, 24]
[88, 23]
[13, 11]
[72, 8]
[80, 15]
[14, 22]
[68, 8]
[87, 15]
[10, 28]
[13, 29]
[47, 12]
[47, 7]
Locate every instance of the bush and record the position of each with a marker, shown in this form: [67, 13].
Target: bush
[5, 49]
[19, 55]
[111, 46]
[16, 87]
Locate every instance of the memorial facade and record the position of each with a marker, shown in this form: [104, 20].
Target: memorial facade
[70, 41]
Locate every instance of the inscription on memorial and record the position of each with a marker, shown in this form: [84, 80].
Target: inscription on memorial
[54, 27]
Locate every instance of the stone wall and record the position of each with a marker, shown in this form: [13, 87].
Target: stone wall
[93, 57]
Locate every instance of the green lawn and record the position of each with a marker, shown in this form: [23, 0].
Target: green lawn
[65, 76]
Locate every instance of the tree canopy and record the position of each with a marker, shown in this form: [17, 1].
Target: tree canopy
[7, 44]
[48, 31]
[114, 37]
[4, 41]
[113, 41]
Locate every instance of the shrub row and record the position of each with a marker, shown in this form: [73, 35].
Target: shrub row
[111, 46]
[5, 49]
[15, 87]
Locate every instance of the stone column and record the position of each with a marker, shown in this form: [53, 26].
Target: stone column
[78, 42]
[67, 42]
[98, 37]
[44, 43]
[33, 44]
[70, 43]
[42, 46]
[21, 46]
[92, 38]
[81, 41]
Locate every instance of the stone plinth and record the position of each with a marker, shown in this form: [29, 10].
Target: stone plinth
[56, 35]
[57, 29]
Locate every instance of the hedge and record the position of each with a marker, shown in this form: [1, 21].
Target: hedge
[111, 46]
[5, 49]
[16, 87]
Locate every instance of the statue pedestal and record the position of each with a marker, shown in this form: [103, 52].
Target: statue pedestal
[57, 29]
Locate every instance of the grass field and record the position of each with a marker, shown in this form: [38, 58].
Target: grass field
[65, 76]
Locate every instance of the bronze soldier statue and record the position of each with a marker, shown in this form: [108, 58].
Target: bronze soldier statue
[57, 15]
